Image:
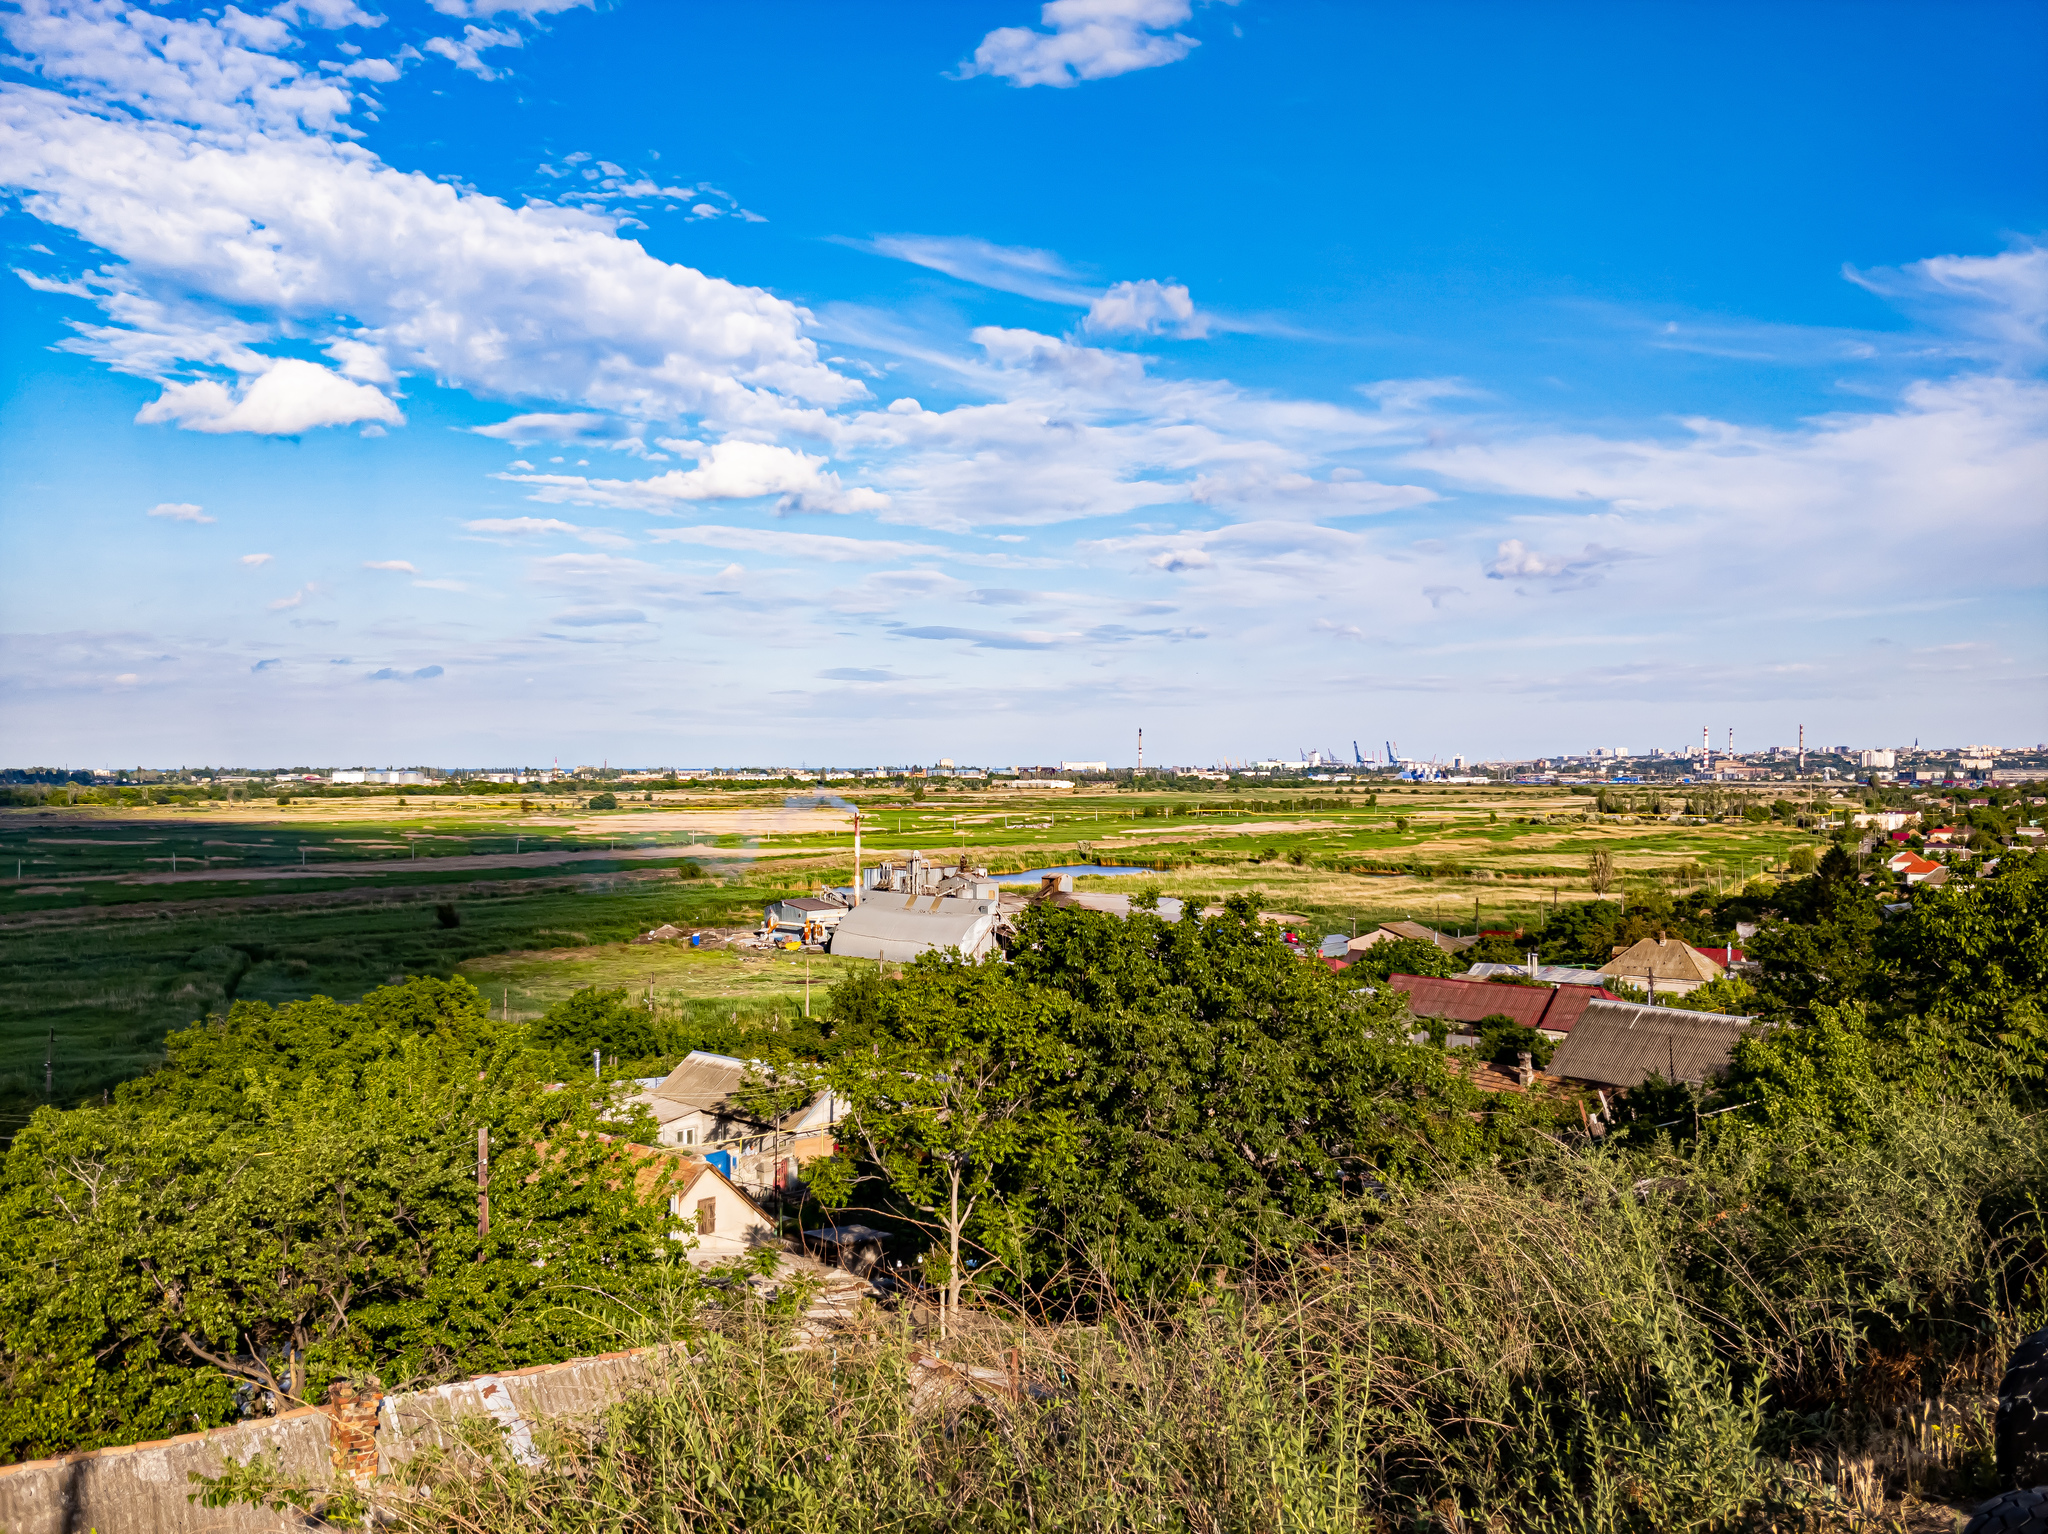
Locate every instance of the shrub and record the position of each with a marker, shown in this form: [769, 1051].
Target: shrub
[605, 801]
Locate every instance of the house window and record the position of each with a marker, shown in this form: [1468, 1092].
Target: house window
[707, 1216]
[689, 1137]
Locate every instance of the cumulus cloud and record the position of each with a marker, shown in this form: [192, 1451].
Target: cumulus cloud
[1146, 308]
[221, 180]
[289, 397]
[180, 511]
[1514, 561]
[466, 52]
[726, 471]
[390, 564]
[1085, 40]
[255, 561]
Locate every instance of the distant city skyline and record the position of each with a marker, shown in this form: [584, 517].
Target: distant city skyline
[486, 380]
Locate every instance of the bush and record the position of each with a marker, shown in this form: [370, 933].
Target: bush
[605, 801]
[1630, 1342]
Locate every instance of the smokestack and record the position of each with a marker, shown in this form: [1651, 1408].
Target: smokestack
[1141, 750]
[1706, 750]
[1802, 748]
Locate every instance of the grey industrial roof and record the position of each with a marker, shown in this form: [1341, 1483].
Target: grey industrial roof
[1620, 1044]
[898, 927]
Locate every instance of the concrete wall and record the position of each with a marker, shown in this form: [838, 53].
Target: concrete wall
[145, 1488]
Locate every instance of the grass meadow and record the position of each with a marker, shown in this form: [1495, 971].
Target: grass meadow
[109, 943]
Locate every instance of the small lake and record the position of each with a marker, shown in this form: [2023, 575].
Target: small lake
[1088, 870]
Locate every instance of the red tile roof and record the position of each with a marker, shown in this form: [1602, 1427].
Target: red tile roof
[1723, 956]
[1467, 1001]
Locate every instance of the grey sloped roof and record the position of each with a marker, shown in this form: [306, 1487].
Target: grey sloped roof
[703, 1082]
[1619, 1044]
[898, 927]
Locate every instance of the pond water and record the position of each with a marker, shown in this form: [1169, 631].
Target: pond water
[1033, 875]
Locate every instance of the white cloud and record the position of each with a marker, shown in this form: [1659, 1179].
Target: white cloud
[256, 561]
[1146, 308]
[542, 426]
[2001, 298]
[466, 52]
[1087, 40]
[330, 14]
[289, 397]
[534, 527]
[362, 362]
[442, 585]
[224, 186]
[1006, 268]
[1344, 492]
[818, 546]
[520, 526]
[402, 565]
[1513, 561]
[725, 471]
[296, 599]
[1966, 458]
[178, 511]
[526, 10]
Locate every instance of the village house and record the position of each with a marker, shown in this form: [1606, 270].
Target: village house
[1662, 966]
[1550, 1010]
[1620, 1044]
[725, 1222]
[1394, 931]
[696, 1110]
[1915, 869]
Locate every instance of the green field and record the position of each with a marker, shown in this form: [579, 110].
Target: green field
[107, 945]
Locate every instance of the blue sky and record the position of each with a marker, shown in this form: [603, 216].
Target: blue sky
[468, 383]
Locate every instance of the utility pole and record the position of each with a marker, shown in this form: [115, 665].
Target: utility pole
[483, 1183]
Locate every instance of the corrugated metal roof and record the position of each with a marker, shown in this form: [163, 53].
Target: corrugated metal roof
[1467, 1001]
[703, 1081]
[900, 927]
[1620, 1044]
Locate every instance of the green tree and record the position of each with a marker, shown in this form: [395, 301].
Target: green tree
[962, 1104]
[164, 1257]
[1401, 956]
[1227, 1089]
